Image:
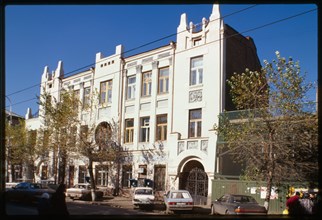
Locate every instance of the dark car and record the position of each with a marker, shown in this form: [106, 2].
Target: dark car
[27, 192]
[49, 183]
[233, 204]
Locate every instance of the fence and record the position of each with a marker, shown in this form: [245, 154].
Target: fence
[257, 190]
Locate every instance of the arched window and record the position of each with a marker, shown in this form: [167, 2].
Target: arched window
[103, 135]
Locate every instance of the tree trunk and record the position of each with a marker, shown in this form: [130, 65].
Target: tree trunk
[270, 170]
[92, 181]
[62, 166]
[55, 165]
[268, 190]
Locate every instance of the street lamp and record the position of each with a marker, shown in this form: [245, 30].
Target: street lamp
[9, 176]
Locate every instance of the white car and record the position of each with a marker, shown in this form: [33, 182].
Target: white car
[178, 200]
[143, 197]
[83, 191]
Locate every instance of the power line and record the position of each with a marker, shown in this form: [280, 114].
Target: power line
[249, 30]
[136, 48]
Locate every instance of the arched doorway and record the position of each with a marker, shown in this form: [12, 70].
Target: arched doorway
[194, 179]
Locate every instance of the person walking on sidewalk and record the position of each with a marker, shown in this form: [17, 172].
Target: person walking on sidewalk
[59, 201]
[44, 205]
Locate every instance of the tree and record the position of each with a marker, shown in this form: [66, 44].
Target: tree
[100, 142]
[58, 134]
[275, 133]
[21, 148]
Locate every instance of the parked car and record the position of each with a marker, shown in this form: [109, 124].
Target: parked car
[49, 183]
[233, 204]
[27, 192]
[143, 197]
[9, 185]
[82, 191]
[178, 200]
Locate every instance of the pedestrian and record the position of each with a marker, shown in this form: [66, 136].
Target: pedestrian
[44, 205]
[306, 203]
[293, 205]
[59, 201]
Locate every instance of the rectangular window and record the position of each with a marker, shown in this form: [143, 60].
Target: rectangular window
[163, 85]
[75, 99]
[44, 172]
[126, 175]
[196, 71]
[196, 41]
[106, 92]
[146, 84]
[142, 172]
[101, 175]
[130, 93]
[73, 135]
[83, 136]
[82, 171]
[145, 129]
[195, 123]
[76, 94]
[161, 129]
[129, 130]
[86, 99]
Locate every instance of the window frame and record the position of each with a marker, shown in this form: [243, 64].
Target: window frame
[162, 127]
[131, 87]
[146, 89]
[128, 131]
[163, 80]
[196, 72]
[86, 97]
[144, 129]
[197, 41]
[195, 123]
[107, 91]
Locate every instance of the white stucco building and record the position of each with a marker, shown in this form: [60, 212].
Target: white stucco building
[166, 102]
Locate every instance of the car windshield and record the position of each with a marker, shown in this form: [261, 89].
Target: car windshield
[244, 199]
[180, 195]
[35, 186]
[143, 192]
[83, 186]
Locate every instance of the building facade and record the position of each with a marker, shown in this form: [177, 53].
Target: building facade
[166, 102]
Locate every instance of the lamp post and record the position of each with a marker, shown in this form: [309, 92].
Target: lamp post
[8, 167]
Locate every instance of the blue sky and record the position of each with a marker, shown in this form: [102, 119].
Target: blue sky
[40, 35]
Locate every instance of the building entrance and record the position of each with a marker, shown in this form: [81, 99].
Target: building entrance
[194, 179]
